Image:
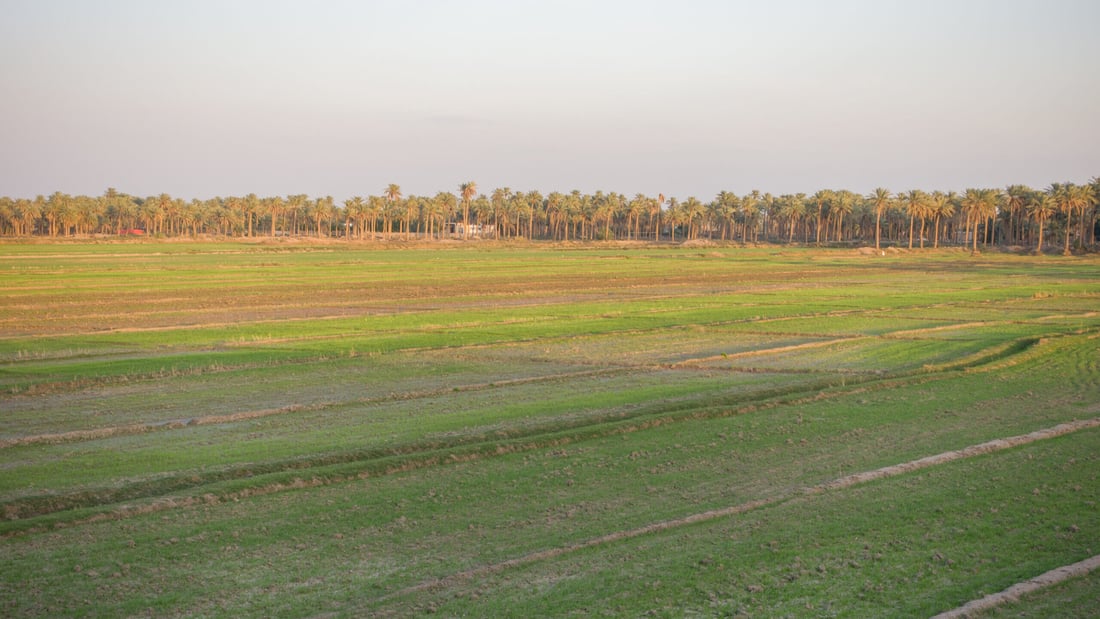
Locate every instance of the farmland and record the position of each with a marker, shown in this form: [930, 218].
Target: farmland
[283, 429]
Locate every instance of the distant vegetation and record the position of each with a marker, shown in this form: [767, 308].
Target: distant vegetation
[1063, 215]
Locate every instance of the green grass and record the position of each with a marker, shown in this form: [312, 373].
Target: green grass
[265, 429]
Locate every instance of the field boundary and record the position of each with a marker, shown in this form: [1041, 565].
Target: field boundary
[1031, 585]
[848, 481]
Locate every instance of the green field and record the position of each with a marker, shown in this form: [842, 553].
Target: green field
[285, 429]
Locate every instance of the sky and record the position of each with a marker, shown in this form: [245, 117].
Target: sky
[199, 98]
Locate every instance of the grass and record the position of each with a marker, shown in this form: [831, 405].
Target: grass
[258, 430]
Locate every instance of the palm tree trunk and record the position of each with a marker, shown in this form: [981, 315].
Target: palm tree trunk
[878, 224]
[1069, 227]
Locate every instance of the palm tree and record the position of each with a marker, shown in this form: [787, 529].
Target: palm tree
[323, 210]
[1070, 198]
[657, 206]
[376, 207]
[467, 190]
[353, 211]
[431, 209]
[168, 210]
[761, 210]
[252, 207]
[120, 211]
[939, 208]
[1090, 221]
[844, 202]
[724, 211]
[1084, 197]
[391, 210]
[613, 208]
[450, 204]
[535, 206]
[637, 207]
[275, 206]
[516, 211]
[1014, 199]
[739, 218]
[980, 205]
[578, 205]
[295, 207]
[483, 209]
[442, 206]
[7, 214]
[236, 205]
[555, 212]
[880, 200]
[673, 216]
[821, 198]
[1059, 193]
[59, 212]
[393, 195]
[229, 221]
[26, 213]
[1040, 208]
[691, 210]
[499, 200]
[392, 192]
[413, 206]
[191, 215]
[793, 207]
[147, 213]
[915, 206]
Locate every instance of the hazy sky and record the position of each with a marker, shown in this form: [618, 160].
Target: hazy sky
[682, 97]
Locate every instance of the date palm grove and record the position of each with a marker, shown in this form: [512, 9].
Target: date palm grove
[1062, 215]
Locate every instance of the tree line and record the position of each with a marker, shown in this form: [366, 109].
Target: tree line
[1017, 215]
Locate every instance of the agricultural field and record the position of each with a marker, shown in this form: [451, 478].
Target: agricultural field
[338, 430]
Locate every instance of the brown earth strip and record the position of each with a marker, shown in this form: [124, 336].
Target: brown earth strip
[908, 333]
[769, 351]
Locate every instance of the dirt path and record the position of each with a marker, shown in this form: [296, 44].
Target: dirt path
[763, 352]
[843, 482]
[1014, 592]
